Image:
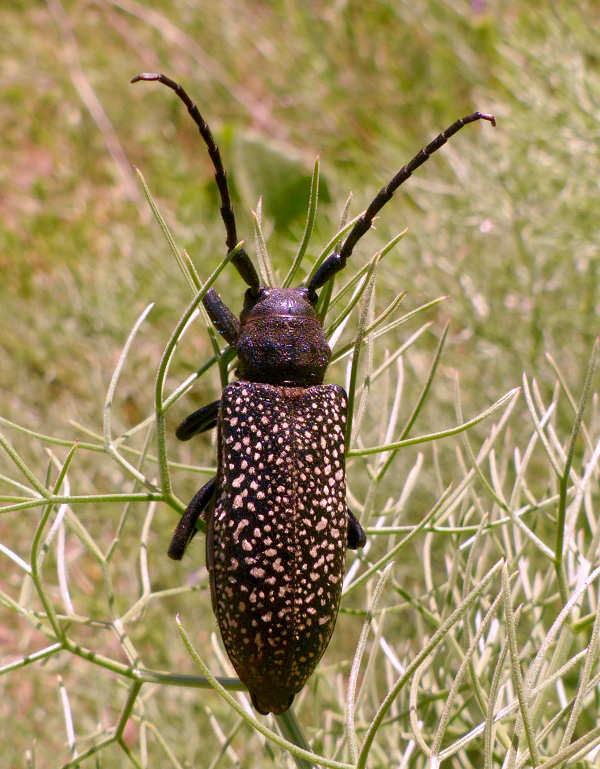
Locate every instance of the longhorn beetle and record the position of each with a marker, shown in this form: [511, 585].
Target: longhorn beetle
[276, 514]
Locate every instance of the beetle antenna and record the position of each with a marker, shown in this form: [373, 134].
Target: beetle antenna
[241, 261]
[337, 261]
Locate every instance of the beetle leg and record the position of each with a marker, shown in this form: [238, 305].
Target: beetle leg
[356, 535]
[186, 528]
[223, 319]
[198, 422]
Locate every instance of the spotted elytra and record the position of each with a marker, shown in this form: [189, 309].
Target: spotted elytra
[276, 515]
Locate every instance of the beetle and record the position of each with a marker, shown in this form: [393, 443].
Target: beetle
[276, 515]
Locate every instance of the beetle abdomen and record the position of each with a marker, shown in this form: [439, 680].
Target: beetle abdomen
[278, 535]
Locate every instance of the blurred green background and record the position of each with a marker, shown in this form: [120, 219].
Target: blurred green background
[503, 222]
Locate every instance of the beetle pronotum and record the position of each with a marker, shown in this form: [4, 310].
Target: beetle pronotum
[277, 520]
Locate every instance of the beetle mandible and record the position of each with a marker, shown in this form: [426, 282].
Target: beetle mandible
[277, 520]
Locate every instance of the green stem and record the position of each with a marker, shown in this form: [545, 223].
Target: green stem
[564, 477]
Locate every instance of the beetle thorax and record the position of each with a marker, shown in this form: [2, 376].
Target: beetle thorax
[281, 340]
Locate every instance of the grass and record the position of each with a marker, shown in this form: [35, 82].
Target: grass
[502, 222]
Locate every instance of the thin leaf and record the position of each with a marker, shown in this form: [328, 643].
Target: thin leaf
[308, 228]
[264, 263]
[183, 266]
[436, 436]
